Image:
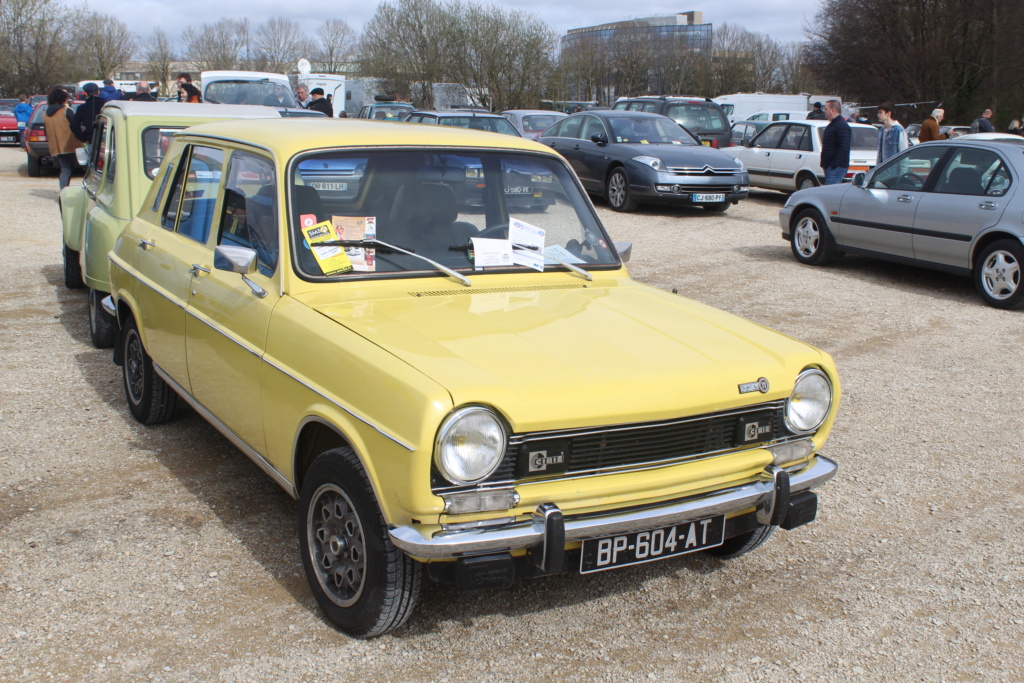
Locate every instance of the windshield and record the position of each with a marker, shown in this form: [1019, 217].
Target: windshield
[648, 131]
[453, 207]
[698, 117]
[495, 124]
[249, 92]
[538, 123]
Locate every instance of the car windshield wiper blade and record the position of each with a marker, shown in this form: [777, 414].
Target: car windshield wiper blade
[391, 247]
[575, 269]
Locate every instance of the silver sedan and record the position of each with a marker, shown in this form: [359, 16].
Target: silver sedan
[954, 206]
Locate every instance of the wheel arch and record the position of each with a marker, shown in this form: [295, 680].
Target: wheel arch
[804, 173]
[316, 436]
[988, 238]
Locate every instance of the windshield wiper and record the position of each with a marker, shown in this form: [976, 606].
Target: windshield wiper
[391, 247]
[579, 271]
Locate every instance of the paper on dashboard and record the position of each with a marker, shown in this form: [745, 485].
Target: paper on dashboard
[491, 253]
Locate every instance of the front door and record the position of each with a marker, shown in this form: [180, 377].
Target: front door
[758, 157]
[791, 156]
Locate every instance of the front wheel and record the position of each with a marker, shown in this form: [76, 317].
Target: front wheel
[997, 274]
[102, 327]
[150, 399]
[743, 544]
[617, 191]
[811, 241]
[362, 582]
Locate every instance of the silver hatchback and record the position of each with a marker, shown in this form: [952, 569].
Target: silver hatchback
[954, 206]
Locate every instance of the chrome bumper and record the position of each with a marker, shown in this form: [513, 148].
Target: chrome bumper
[768, 495]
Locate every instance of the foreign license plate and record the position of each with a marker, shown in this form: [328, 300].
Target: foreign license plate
[638, 547]
[337, 187]
[709, 197]
[519, 189]
[8, 138]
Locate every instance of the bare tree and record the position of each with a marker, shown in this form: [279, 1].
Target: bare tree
[279, 44]
[223, 44]
[160, 58]
[334, 48]
[109, 47]
[37, 42]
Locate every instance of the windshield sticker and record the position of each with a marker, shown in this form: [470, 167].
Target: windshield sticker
[332, 260]
[644, 142]
[490, 253]
[357, 228]
[527, 244]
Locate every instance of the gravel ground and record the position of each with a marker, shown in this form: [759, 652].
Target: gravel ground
[164, 554]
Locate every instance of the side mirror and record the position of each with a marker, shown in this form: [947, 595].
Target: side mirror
[749, 142]
[82, 157]
[858, 179]
[625, 250]
[240, 260]
[599, 138]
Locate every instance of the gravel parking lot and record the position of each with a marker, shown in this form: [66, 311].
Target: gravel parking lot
[162, 553]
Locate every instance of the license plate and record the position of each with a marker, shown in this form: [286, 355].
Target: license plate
[638, 547]
[519, 189]
[338, 187]
[709, 197]
[706, 143]
[8, 138]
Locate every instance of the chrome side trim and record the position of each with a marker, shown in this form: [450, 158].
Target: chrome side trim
[346, 409]
[260, 461]
[137, 276]
[440, 544]
[222, 332]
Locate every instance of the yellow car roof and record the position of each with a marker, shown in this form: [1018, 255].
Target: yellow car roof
[287, 137]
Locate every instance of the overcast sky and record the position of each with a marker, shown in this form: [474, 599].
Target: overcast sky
[783, 20]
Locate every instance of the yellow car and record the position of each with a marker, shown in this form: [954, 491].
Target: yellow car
[467, 391]
[136, 135]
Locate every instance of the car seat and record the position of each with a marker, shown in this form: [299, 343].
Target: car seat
[423, 218]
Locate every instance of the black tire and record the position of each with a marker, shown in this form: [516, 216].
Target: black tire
[150, 399]
[72, 269]
[810, 240]
[33, 166]
[997, 274]
[616, 191]
[102, 326]
[717, 207]
[806, 182]
[362, 582]
[742, 544]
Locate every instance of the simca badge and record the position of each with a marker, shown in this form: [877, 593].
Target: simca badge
[760, 385]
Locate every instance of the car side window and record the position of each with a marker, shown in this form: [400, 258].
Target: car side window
[759, 117]
[972, 172]
[591, 126]
[97, 155]
[651, 107]
[794, 138]
[190, 209]
[636, 106]
[249, 212]
[908, 171]
[770, 137]
[780, 117]
[571, 127]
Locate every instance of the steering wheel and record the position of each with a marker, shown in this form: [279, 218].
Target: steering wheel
[910, 181]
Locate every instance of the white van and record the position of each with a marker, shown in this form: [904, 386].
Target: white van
[332, 84]
[774, 115]
[739, 106]
[247, 87]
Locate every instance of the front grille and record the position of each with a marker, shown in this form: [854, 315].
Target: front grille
[622, 447]
[704, 189]
[705, 171]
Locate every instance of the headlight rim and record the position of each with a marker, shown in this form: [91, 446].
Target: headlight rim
[828, 408]
[446, 426]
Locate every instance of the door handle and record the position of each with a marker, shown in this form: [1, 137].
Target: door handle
[576, 147]
[905, 198]
[987, 205]
[799, 156]
[196, 269]
[146, 244]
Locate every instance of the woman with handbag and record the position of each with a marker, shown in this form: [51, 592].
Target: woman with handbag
[63, 142]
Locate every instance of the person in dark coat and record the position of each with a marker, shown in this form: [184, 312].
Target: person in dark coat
[835, 144]
[320, 102]
[85, 116]
[816, 112]
[143, 93]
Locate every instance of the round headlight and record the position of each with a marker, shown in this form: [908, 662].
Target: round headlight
[807, 406]
[470, 445]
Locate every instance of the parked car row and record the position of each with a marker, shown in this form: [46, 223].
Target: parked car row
[365, 312]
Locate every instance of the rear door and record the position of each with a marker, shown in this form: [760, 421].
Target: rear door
[970, 193]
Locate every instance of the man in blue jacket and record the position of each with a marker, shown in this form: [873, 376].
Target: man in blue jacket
[109, 93]
[835, 144]
[23, 111]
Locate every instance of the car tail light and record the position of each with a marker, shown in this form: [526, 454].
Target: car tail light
[37, 136]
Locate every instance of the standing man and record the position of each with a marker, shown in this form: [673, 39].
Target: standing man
[985, 122]
[302, 95]
[85, 115]
[930, 127]
[142, 92]
[23, 111]
[816, 112]
[320, 102]
[109, 93]
[892, 139]
[835, 144]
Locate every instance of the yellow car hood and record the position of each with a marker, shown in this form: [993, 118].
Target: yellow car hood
[556, 357]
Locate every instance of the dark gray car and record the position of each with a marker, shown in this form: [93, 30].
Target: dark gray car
[954, 206]
[631, 157]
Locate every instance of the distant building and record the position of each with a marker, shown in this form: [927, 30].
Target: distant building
[686, 28]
